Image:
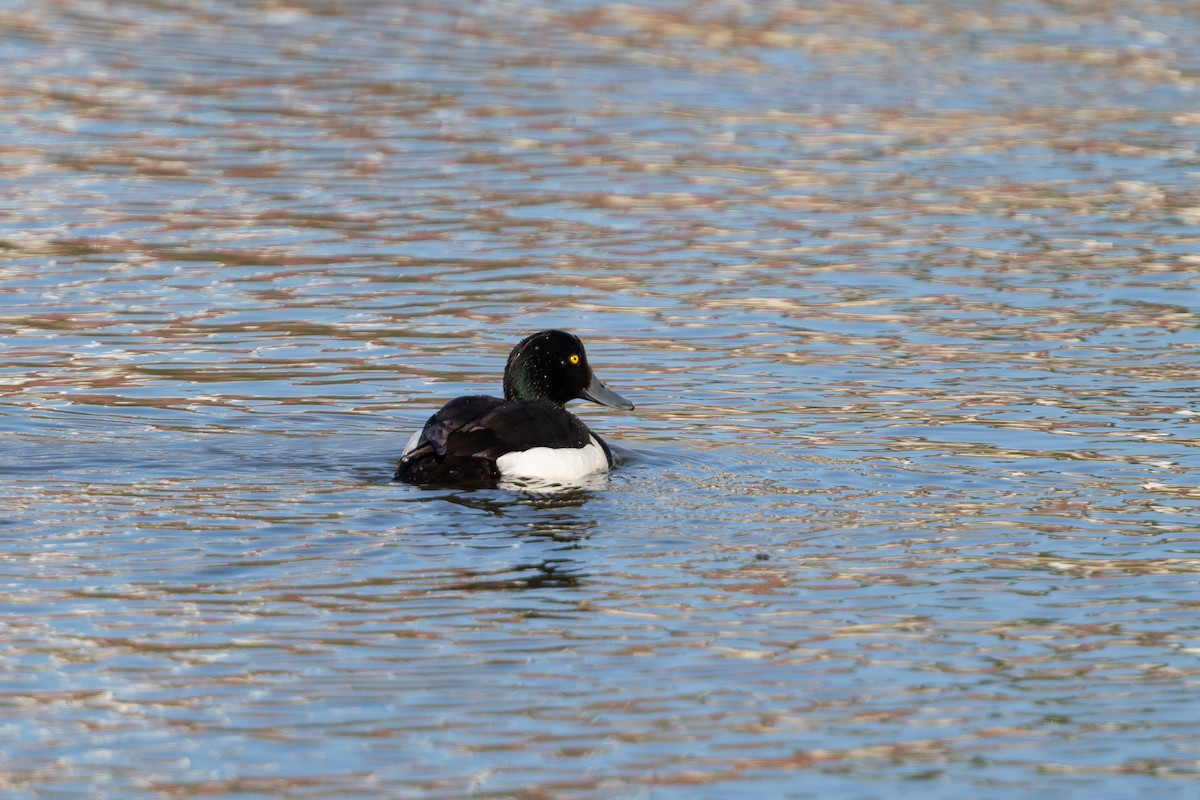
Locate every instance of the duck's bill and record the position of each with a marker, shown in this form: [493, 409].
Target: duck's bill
[597, 392]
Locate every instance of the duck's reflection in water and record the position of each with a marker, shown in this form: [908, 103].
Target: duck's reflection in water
[553, 519]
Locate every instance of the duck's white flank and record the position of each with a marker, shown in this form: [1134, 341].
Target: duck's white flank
[554, 463]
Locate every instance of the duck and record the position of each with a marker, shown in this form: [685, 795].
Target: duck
[527, 435]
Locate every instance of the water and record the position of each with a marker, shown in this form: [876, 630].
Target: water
[905, 295]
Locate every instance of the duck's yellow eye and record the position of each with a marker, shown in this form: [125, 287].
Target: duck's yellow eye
[574, 358]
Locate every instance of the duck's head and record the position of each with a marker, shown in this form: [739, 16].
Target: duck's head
[552, 365]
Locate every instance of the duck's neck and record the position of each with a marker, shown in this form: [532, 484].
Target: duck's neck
[526, 385]
[518, 388]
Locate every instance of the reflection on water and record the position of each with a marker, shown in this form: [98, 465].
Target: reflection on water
[904, 294]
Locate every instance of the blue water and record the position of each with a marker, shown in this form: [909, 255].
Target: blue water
[905, 296]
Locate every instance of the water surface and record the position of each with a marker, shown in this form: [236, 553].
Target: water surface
[905, 295]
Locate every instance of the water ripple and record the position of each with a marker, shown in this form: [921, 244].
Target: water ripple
[904, 297]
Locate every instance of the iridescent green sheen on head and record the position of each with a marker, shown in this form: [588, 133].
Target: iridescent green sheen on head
[553, 366]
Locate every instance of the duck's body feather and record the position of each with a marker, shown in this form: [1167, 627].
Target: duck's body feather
[557, 464]
[484, 438]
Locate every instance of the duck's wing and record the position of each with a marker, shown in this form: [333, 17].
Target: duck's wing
[460, 413]
[519, 425]
[460, 443]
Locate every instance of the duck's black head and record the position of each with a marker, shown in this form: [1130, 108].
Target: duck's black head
[552, 365]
